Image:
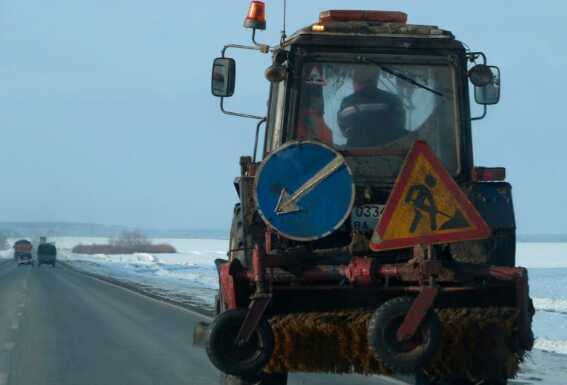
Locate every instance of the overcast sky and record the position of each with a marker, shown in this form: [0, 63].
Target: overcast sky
[106, 114]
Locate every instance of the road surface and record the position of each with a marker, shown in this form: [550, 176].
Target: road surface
[59, 327]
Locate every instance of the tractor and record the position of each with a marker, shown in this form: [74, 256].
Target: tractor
[365, 240]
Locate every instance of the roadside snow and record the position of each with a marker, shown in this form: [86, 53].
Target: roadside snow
[188, 274]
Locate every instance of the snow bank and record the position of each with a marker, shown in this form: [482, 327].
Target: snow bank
[551, 305]
[189, 273]
[553, 346]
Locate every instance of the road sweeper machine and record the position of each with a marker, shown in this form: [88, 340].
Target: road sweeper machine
[365, 239]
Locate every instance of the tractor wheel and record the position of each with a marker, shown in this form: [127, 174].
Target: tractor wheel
[243, 360]
[406, 356]
[239, 246]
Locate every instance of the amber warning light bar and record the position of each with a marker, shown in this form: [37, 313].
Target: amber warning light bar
[375, 16]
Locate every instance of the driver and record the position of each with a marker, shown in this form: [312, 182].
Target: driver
[370, 117]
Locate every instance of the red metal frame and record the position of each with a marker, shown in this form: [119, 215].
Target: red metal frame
[428, 278]
[359, 271]
[255, 314]
[416, 314]
[260, 300]
[480, 231]
[227, 285]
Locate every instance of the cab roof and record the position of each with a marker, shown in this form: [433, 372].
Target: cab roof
[341, 24]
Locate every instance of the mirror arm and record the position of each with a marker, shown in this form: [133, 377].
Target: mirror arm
[237, 113]
[481, 116]
[264, 120]
[264, 48]
[259, 47]
[238, 46]
[474, 55]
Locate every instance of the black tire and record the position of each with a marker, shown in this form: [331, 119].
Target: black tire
[408, 356]
[239, 246]
[239, 361]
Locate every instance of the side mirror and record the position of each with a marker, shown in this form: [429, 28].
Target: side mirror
[487, 84]
[480, 75]
[223, 77]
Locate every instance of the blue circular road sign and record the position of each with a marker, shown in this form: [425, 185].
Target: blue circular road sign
[304, 190]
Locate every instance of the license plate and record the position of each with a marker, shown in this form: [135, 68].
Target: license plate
[364, 218]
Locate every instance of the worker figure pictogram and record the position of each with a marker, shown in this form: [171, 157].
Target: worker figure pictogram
[421, 197]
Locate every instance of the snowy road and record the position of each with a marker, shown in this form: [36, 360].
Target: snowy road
[61, 327]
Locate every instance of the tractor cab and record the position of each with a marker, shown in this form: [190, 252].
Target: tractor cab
[368, 85]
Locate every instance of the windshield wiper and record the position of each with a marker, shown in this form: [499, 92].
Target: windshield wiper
[402, 76]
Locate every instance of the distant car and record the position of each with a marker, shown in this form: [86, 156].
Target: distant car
[23, 252]
[46, 254]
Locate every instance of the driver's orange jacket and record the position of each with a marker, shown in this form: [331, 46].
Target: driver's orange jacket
[312, 126]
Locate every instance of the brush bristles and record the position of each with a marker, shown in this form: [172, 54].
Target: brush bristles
[476, 344]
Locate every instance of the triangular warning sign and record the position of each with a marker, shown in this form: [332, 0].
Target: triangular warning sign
[316, 76]
[426, 207]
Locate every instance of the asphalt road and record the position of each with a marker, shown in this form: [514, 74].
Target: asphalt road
[58, 327]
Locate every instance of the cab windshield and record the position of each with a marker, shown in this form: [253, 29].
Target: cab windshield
[376, 110]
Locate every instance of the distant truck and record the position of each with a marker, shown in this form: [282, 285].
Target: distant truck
[23, 252]
[46, 254]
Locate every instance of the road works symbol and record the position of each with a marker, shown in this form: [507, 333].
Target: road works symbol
[426, 206]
